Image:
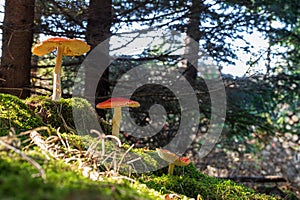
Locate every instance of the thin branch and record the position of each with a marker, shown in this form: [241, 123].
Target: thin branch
[158, 17]
[23, 155]
[52, 66]
[61, 9]
[257, 179]
[123, 156]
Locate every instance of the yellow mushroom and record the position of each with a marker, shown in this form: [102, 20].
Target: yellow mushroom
[65, 47]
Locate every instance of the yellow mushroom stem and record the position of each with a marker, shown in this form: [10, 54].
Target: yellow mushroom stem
[171, 168]
[116, 121]
[57, 74]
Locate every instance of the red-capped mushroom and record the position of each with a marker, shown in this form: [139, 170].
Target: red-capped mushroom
[172, 159]
[117, 104]
[65, 47]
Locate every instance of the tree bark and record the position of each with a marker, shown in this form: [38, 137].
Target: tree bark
[99, 22]
[98, 32]
[192, 46]
[16, 47]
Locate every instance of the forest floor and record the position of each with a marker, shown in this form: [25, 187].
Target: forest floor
[277, 157]
[41, 157]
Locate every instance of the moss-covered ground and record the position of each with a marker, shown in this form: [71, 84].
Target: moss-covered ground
[20, 179]
[192, 183]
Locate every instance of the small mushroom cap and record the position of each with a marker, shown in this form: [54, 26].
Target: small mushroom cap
[172, 157]
[182, 161]
[117, 102]
[72, 47]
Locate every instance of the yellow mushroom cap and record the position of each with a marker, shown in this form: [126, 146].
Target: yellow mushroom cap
[172, 157]
[72, 47]
[117, 102]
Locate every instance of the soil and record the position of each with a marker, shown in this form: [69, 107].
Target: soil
[279, 156]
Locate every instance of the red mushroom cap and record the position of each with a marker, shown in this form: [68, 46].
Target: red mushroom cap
[182, 161]
[172, 157]
[117, 102]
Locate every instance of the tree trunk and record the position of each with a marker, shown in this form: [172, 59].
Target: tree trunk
[98, 31]
[192, 46]
[16, 47]
[99, 22]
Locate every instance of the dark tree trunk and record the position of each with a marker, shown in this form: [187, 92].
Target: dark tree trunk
[192, 48]
[99, 22]
[16, 47]
[98, 32]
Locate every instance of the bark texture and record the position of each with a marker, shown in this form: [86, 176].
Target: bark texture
[16, 47]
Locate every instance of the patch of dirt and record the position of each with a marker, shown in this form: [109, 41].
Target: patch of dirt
[278, 156]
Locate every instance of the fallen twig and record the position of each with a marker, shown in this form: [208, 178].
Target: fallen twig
[23, 155]
[257, 179]
[40, 142]
[123, 156]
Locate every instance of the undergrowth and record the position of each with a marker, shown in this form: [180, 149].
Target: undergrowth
[192, 183]
[20, 180]
[43, 156]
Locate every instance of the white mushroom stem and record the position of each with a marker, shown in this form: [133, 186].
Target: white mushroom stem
[116, 121]
[57, 75]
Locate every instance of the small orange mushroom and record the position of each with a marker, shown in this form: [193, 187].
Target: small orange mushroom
[172, 197]
[172, 159]
[117, 104]
[65, 47]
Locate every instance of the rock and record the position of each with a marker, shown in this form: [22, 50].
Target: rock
[295, 138]
[295, 118]
[288, 136]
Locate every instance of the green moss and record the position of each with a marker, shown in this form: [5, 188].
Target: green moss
[194, 183]
[138, 159]
[17, 182]
[15, 114]
[72, 114]
[57, 114]
[290, 195]
[63, 182]
[149, 159]
[75, 141]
